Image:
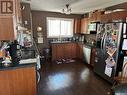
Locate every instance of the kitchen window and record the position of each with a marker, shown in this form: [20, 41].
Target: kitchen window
[59, 27]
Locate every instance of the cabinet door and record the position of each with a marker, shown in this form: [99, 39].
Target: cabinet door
[54, 52]
[7, 28]
[77, 26]
[67, 53]
[119, 15]
[93, 17]
[81, 51]
[84, 25]
[106, 18]
[77, 51]
[73, 50]
[20, 81]
[60, 51]
[98, 18]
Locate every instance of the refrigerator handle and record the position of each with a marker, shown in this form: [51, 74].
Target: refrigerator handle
[102, 41]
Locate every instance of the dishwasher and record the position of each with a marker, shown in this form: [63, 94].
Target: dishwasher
[86, 54]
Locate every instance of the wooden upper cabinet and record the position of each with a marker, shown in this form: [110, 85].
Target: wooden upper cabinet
[121, 15]
[95, 17]
[84, 25]
[26, 15]
[7, 28]
[106, 18]
[77, 26]
[9, 21]
[98, 18]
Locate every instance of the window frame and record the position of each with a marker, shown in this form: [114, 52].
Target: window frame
[72, 27]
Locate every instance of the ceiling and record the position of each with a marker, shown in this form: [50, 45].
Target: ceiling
[78, 6]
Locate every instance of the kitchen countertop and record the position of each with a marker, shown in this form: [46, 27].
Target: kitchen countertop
[66, 42]
[17, 66]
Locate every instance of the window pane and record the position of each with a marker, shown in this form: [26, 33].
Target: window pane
[53, 27]
[66, 28]
[59, 27]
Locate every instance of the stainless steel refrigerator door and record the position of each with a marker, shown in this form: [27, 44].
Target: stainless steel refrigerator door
[100, 35]
[107, 40]
[99, 62]
[111, 45]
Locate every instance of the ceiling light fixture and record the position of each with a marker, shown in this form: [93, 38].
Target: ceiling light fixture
[67, 9]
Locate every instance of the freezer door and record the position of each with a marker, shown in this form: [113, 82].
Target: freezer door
[99, 65]
[100, 35]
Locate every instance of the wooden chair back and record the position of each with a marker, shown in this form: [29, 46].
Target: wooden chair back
[124, 72]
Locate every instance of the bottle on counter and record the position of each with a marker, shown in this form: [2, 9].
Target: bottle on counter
[7, 61]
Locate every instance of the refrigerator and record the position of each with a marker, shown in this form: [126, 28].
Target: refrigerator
[108, 56]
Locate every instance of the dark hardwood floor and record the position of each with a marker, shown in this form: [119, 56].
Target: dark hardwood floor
[70, 79]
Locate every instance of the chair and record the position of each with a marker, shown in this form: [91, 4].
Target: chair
[122, 78]
[120, 82]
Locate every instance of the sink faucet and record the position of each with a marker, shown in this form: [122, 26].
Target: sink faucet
[59, 39]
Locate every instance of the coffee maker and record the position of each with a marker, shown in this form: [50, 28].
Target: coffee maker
[14, 50]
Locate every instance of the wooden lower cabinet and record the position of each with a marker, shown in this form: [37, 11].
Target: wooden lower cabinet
[54, 51]
[68, 51]
[73, 50]
[60, 51]
[63, 51]
[80, 51]
[20, 81]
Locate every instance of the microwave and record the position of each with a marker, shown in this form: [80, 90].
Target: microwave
[92, 28]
